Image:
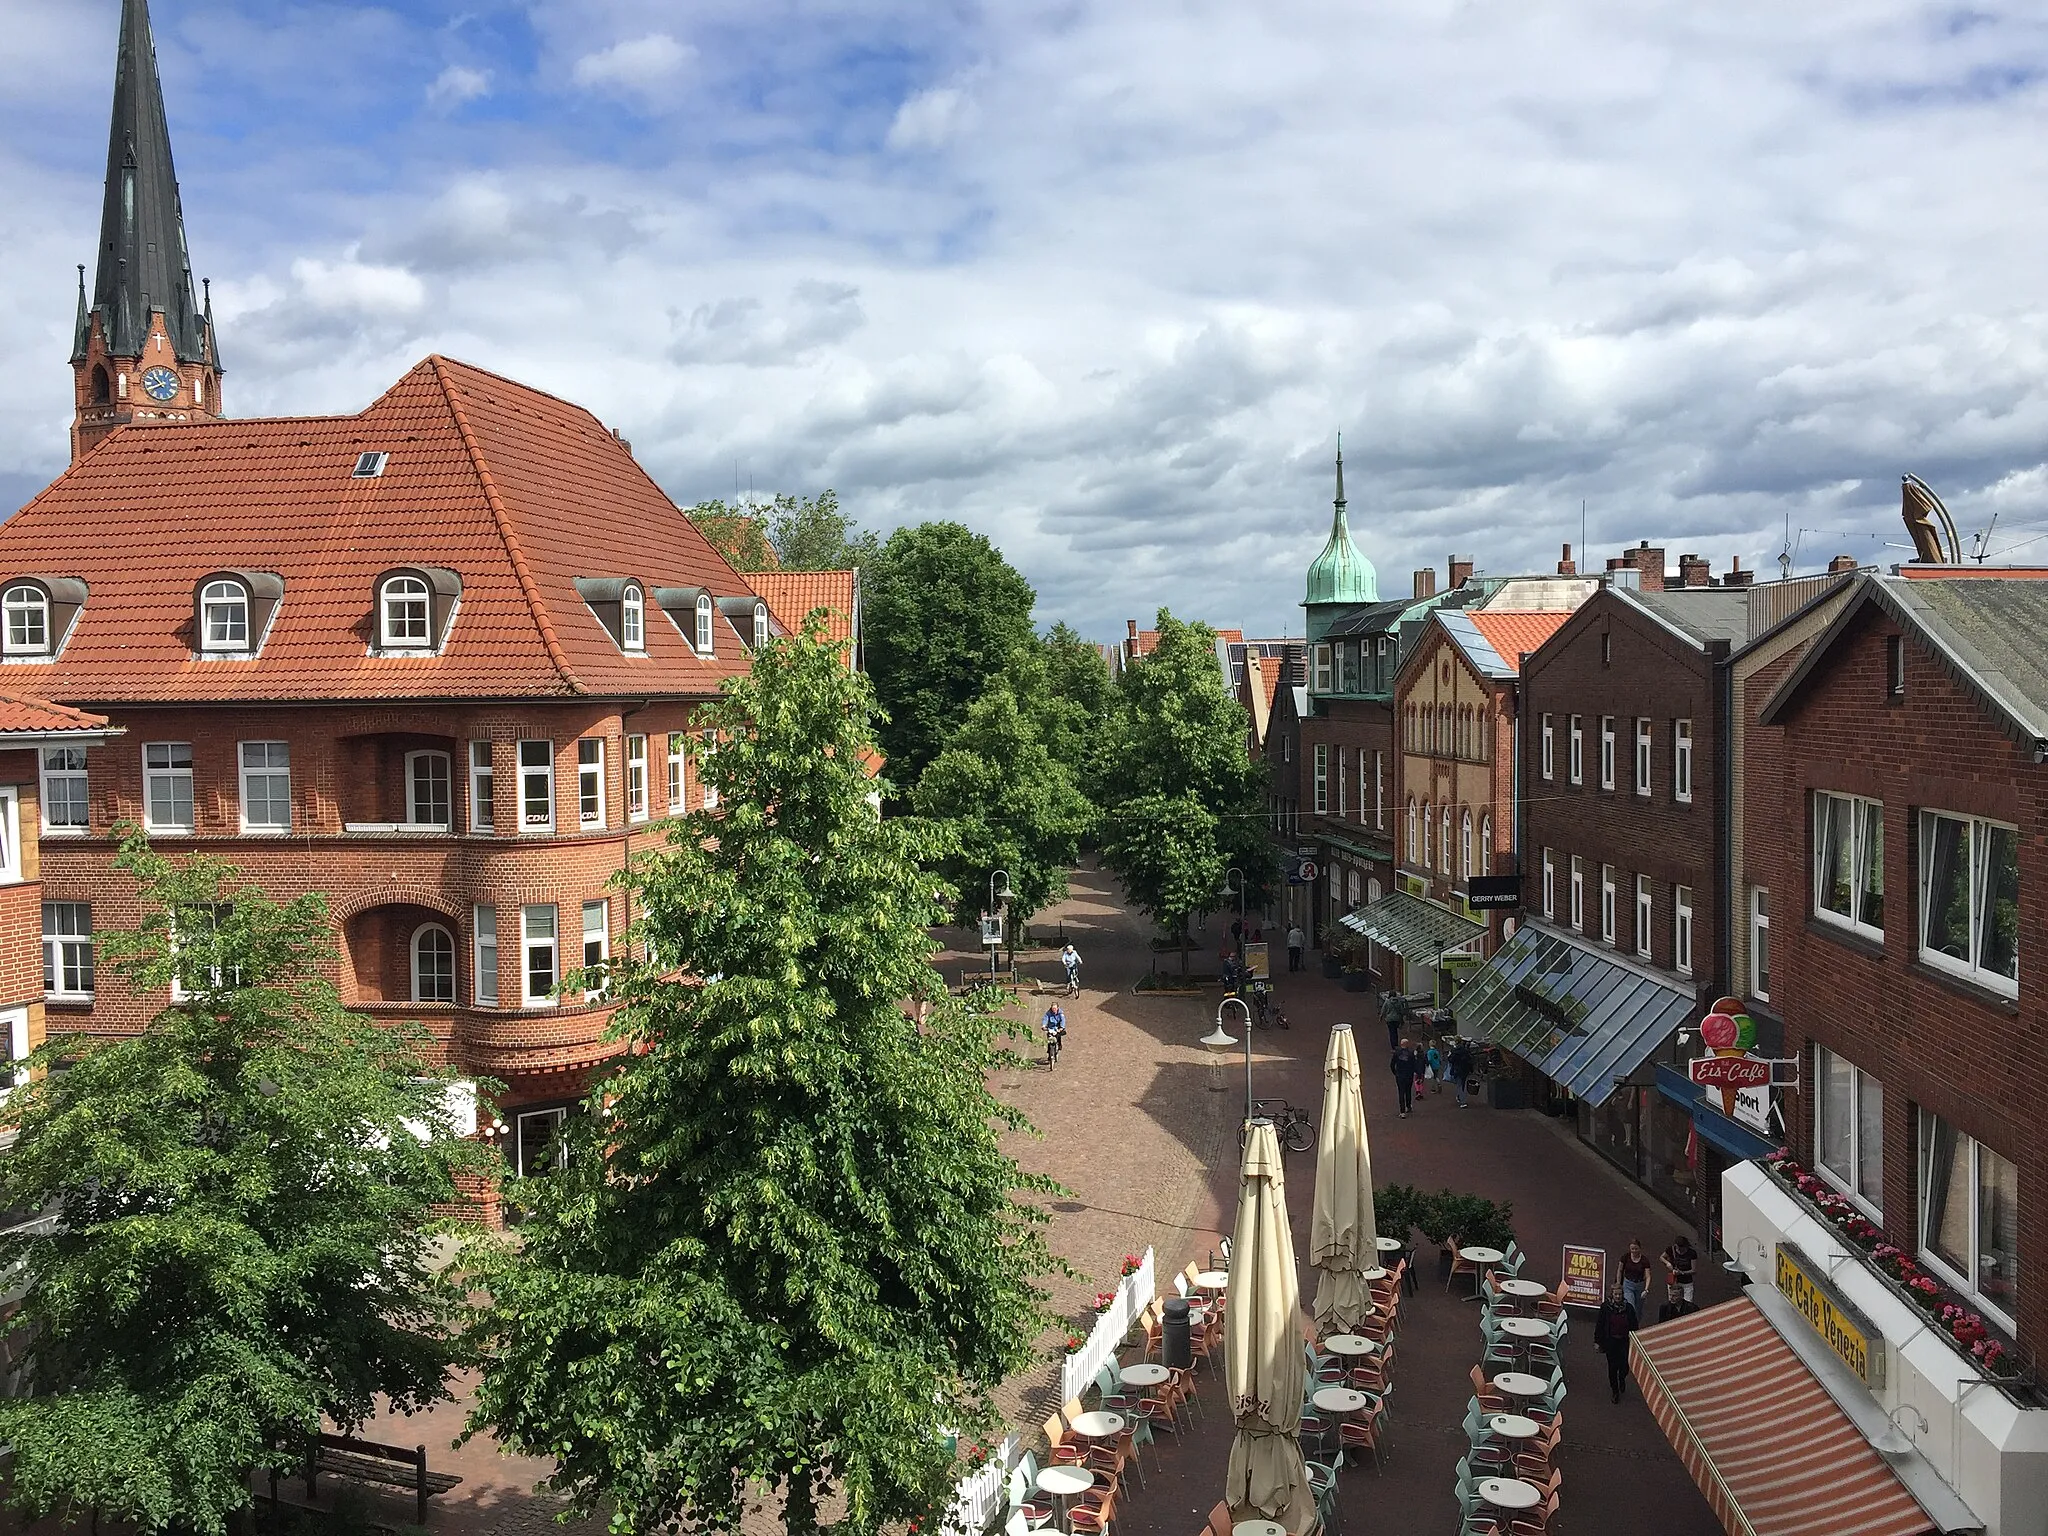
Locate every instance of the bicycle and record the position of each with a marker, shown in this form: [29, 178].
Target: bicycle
[1296, 1131]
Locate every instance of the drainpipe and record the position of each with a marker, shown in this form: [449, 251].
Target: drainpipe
[1732, 911]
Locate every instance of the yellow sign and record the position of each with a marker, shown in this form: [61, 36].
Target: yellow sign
[1841, 1328]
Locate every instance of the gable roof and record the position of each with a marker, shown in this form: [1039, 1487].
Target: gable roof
[1493, 642]
[1986, 633]
[517, 492]
[1701, 614]
[791, 597]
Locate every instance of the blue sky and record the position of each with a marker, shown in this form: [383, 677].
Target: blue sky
[1105, 279]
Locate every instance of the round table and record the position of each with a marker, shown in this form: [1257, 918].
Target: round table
[1389, 1244]
[1509, 1493]
[1350, 1344]
[1481, 1255]
[1513, 1426]
[1525, 1327]
[1144, 1375]
[1525, 1288]
[1521, 1384]
[1377, 1272]
[1216, 1280]
[1258, 1528]
[1098, 1426]
[1339, 1399]
[1063, 1481]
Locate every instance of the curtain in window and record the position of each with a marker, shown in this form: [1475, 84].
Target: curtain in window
[1998, 1230]
[1870, 1139]
[1999, 881]
[1838, 1117]
[1945, 906]
[1946, 1190]
[1834, 840]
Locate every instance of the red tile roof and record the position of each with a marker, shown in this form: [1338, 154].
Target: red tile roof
[517, 491]
[21, 715]
[1269, 676]
[792, 595]
[1511, 633]
[1230, 636]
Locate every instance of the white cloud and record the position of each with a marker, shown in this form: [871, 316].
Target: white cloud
[929, 119]
[456, 84]
[353, 285]
[641, 64]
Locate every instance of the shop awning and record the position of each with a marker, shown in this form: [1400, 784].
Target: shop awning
[1413, 928]
[1772, 1452]
[1579, 1014]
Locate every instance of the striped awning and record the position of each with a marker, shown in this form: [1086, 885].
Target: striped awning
[1769, 1448]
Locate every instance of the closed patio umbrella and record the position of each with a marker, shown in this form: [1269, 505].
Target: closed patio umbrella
[1342, 1227]
[1262, 1338]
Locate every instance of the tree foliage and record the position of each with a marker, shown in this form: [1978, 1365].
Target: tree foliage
[810, 533]
[1009, 804]
[945, 613]
[1064, 683]
[243, 1193]
[787, 1251]
[738, 530]
[1164, 850]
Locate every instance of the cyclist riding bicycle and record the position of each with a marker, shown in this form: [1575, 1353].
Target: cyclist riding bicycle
[1055, 1025]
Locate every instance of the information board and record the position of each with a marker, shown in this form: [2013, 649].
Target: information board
[1585, 1276]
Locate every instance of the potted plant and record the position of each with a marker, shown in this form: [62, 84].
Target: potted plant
[1433, 1216]
[1393, 1209]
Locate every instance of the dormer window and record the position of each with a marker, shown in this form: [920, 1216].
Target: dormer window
[633, 618]
[369, 466]
[27, 610]
[704, 610]
[760, 625]
[224, 616]
[403, 609]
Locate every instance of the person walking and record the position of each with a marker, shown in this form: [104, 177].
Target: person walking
[1436, 1063]
[1055, 1025]
[1680, 1260]
[1070, 957]
[1461, 1068]
[1296, 942]
[1611, 1330]
[1392, 1013]
[1405, 1064]
[1635, 1277]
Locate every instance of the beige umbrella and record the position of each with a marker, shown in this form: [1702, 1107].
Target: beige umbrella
[1343, 1228]
[1262, 1338]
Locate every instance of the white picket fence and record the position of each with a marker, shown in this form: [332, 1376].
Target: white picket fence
[1134, 1294]
[978, 1499]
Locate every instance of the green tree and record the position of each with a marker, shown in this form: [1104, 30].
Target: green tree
[1065, 685]
[1163, 848]
[787, 1251]
[242, 1192]
[810, 533]
[737, 530]
[1009, 804]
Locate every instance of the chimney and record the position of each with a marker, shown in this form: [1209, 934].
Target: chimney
[1564, 563]
[1131, 628]
[1694, 572]
[1461, 572]
[1617, 563]
[1737, 576]
[1649, 564]
[1425, 583]
[1842, 563]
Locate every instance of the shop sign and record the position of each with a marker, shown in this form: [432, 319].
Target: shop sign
[1729, 1071]
[1842, 1328]
[1303, 872]
[1585, 1276]
[1485, 893]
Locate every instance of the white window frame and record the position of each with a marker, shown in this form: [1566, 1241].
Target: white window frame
[633, 618]
[61, 774]
[1646, 916]
[1760, 943]
[1428, 834]
[1324, 681]
[1681, 929]
[1343, 787]
[31, 605]
[705, 641]
[1578, 894]
[536, 770]
[1412, 837]
[1643, 756]
[602, 912]
[1549, 885]
[1575, 750]
[1850, 1183]
[1607, 905]
[1681, 761]
[1486, 844]
[1321, 798]
[246, 772]
[678, 775]
[484, 955]
[1444, 839]
[761, 633]
[67, 952]
[1860, 811]
[168, 773]
[230, 596]
[1465, 842]
[1607, 751]
[556, 1147]
[1379, 790]
[590, 766]
[483, 789]
[414, 763]
[441, 931]
[1548, 751]
[1969, 1284]
[710, 746]
[533, 942]
[397, 599]
[1977, 834]
[636, 778]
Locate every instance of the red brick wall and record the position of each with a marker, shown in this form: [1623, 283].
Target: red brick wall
[1932, 1040]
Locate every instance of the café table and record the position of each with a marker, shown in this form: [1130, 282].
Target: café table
[1214, 1280]
[1528, 1290]
[1339, 1399]
[1098, 1425]
[1521, 1384]
[1389, 1244]
[1513, 1426]
[1485, 1258]
[1350, 1344]
[1377, 1272]
[1063, 1481]
[1524, 1330]
[1258, 1528]
[1144, 1375]
[1509, 1493]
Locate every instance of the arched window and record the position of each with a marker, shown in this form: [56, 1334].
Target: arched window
[633, 618]
[704, 624]
[760, 625]
[1465, 845]
[28, 620]
[1411, 832]
[428, 789]
[1486, 846]
[1428, 821]
[1445, 851]
[102, 390]
[433, 965]
[404, 622]
[224, 616]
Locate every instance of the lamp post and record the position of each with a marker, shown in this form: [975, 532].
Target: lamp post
[996, 901]
[1222, 1040]
[1233, 885]
[1735, 1266]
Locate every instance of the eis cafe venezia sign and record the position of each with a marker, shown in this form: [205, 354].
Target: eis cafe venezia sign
[1841, 1327]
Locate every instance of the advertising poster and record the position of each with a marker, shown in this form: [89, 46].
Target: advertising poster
[1585, 1276]
[1255, 961]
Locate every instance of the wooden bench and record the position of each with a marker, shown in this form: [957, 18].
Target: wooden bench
[368, 1462]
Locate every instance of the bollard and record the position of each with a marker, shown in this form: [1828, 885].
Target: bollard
[1176, 1346]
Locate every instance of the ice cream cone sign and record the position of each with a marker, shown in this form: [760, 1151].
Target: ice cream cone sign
[1728, 1034]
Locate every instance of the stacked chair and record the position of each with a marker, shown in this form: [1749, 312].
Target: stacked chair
[1492, 1455]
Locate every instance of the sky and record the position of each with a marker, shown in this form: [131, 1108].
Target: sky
[1104, 279]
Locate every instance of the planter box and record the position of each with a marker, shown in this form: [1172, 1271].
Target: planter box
[1505, 1093]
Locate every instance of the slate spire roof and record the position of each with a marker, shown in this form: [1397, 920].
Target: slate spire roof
[143, 265]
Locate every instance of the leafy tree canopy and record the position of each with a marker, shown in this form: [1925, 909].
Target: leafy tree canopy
[810, 533]
[1064, 684]
[945, 613]
[243, 1193]
[1164, 849]
[738, 530]
[787, 1251]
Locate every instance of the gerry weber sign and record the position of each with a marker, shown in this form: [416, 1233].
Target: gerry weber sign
[1842, 1328]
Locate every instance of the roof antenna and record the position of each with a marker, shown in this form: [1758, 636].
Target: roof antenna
[1983, 540]
[1785, 554]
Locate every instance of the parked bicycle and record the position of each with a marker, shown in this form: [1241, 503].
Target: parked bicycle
[1297, 1132]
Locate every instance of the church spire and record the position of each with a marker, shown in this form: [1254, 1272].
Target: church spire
[1340, 575]
[1340, 474]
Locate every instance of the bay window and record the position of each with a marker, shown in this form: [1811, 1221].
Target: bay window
[1848, 862]
[1970, 1215]
[542, 970]
[590, 781]
[536, 786]
[1970, 899]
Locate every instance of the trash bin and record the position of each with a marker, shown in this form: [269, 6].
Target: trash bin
[1176, 1344]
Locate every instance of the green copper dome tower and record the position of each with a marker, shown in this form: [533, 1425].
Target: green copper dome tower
[1340, 577]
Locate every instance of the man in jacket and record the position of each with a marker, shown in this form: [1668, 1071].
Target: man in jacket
[1296, 939]
[1405, 1065]
[1611, 1330]
[1461, 1068]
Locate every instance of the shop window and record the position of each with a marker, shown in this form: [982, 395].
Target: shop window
[1970, 1215]
[1970, 899]
[1848, 1128]
[1848, 862]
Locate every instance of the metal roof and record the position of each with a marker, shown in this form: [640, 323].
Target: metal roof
[1582, 1016]
[1413, 928]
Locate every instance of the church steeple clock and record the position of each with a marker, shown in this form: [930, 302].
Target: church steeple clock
[144, 349]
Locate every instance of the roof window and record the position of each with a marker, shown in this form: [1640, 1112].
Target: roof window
[36, 614]
[369, 466]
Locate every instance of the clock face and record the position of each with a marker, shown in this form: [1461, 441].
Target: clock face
[161, 383]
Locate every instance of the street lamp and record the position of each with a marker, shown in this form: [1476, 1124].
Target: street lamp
[1735, 1266]
[1222, 1040]
[996, 901]
[1233, 885]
